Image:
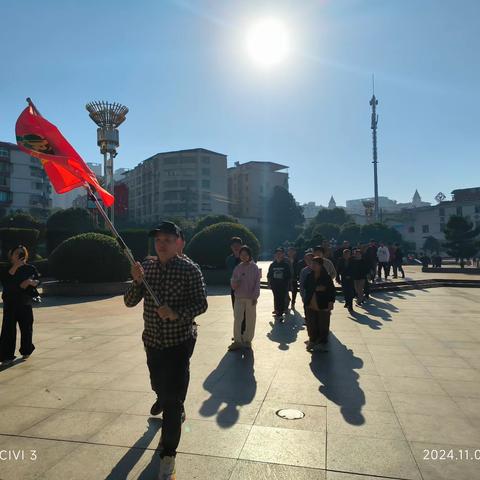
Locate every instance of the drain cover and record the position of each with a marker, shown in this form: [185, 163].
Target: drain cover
[290, 414]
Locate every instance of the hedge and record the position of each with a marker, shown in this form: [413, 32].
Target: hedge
[137, 241]
[12, 237]
[211, 246]
[89, 257]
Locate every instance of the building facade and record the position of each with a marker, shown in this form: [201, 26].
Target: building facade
[24, 184]
[250, 185]
[416, 224]
[185, 183]
[385, 204]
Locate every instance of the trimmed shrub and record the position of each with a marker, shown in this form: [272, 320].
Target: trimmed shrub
[211, 246]
[208, 220]
[137, 241]
[65, 224]
[89, 258]
[11, 237]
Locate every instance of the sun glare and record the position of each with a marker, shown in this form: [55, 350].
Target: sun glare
[267, 42]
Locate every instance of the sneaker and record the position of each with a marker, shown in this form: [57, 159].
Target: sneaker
[157, 408]
[167, 469]
[234, 346]
[9, 361]
[25, 357]
[310, 346]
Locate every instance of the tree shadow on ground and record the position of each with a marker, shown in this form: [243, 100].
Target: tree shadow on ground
[286, 332]
[336, 371]
[232, 383]
[126, 464]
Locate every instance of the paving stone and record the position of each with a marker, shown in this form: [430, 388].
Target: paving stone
[245, 470]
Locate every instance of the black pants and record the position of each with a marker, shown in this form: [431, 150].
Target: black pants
[294, 291]
[396, 268]
[386, 269]
[169, 376]
[318, 325]
[13, 313]
[280, 298]
[348, 292]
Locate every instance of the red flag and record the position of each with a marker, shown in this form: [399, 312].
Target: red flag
[63, 165]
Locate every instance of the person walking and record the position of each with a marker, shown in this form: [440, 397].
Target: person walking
[245, 283]
[169, 333]
[19, 282]
[359, 274]
[307, 262]
[345, 278]
[398, 261]
[370, 256]
[319, 300]
[338, 254]
[233, 260]
[383, 256]
[319, 251]
[279, 276]
[292, 260]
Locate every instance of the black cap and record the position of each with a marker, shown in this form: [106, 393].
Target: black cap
[165, 227]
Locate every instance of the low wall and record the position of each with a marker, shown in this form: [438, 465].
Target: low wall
[467, 270]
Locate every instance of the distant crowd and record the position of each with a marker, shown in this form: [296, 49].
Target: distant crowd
[312, 276]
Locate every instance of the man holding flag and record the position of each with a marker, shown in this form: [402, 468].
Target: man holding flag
[172, 286]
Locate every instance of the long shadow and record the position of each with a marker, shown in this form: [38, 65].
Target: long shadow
[232, 383]
[366, 320]
[285, 333]
[336, 371]
[126, 464]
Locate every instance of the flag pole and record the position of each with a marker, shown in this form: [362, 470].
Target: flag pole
[119, 239]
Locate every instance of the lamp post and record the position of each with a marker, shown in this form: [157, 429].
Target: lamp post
[107, 116]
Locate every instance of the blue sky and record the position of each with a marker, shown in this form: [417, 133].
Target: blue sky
[181, 67]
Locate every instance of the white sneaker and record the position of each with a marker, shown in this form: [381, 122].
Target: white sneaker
[167, 469]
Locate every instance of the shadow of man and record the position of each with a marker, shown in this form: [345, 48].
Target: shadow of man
[233, 383]
[126, 464]
[285, 333]
[339, 380]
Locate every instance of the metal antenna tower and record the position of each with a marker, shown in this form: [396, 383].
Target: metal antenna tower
[107, 116]
[374, 103]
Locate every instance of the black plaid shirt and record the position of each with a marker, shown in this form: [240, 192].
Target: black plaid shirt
[180, 285]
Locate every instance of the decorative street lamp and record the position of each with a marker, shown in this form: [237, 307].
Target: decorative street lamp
[107, 116]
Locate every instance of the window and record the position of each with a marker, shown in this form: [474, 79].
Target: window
[4, 181]
[442, 227]
[477, 208]
[425, 229]
[205, 183]
[205, 160]
[4, 152]
[441, 211]
[411, 229]
[459, 211]
[205, 171]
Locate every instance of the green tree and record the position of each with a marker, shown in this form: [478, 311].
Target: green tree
[337, 215]
[21, 219]
[431, 244]
[351, 232]
[283, 219]
[212, 220]
[460, 236]
[326, 230]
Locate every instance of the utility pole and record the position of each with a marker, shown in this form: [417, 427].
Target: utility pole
[374, 103]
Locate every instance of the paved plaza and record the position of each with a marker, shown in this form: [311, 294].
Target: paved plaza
[400, 384]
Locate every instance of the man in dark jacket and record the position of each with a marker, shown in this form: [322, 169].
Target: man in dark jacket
[359, 271]
[371, 260]
[318, 300]
[345, 278]
[279, 277]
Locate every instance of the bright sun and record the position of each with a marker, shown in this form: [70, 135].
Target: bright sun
[267, 42]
